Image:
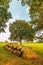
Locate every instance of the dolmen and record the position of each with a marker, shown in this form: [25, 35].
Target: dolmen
[21, 51]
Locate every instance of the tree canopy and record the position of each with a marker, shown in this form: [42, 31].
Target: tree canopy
[36, 13]
[4, 14]
[21, 30]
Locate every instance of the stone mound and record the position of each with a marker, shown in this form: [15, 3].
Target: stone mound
[21, 51]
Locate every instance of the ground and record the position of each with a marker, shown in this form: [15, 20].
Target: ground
[7, 58]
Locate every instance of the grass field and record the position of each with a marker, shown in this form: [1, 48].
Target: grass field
[7, 58]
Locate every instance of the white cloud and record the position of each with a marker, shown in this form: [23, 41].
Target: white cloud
[27, 10]
[5, 36]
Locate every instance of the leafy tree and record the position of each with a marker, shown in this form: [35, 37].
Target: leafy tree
[21, 30]
[36, 13]
[4, 14]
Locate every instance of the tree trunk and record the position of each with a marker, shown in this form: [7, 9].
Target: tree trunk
[20, 41]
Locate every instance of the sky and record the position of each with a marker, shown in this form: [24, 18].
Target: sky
[18, 12]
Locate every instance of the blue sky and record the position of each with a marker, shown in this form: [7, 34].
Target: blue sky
[18, 12]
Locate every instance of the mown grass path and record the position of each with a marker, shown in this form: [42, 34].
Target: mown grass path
[7, 58]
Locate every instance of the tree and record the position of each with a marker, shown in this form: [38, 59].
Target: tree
[21, 30]
[4, 14]
[36, 13]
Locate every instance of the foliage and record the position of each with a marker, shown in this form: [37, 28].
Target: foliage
[36, 13]
[21, 30]
[4, 14]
